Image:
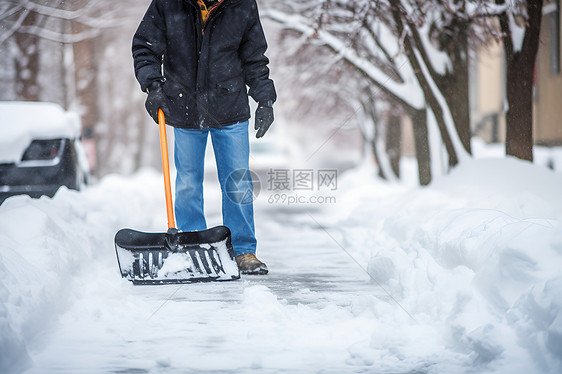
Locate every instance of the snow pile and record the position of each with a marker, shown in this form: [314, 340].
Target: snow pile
[175, 263]
[470, 269]
[49, 246]
[38, 258]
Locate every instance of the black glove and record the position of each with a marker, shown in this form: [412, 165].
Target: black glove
[264, 118]
[156, 99]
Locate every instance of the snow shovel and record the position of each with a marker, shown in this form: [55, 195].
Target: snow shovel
[174, 256]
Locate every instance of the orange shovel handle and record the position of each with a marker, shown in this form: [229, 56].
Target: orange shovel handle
[166, 169]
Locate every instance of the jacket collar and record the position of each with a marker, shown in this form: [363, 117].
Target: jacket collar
[224, 2]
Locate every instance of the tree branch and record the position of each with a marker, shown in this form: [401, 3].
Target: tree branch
[407, 94]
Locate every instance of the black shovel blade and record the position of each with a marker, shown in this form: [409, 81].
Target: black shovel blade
[176, 257]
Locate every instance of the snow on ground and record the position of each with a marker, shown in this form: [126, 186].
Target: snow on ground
[475, 260]
[461, 276]
[49, 247]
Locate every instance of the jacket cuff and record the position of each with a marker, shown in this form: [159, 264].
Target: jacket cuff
[146, 82]
[267, 103]
[154, 86]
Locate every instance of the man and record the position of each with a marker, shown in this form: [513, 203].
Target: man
[195, 58]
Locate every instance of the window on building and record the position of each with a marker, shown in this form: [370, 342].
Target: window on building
[552, 10]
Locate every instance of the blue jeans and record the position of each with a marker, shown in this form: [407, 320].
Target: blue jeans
[232, 153]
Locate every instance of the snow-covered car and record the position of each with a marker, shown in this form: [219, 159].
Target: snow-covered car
[40, 149]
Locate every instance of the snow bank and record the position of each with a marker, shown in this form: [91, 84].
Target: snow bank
[48, 248]
[470, 268]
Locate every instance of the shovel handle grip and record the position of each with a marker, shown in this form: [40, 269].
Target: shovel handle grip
[166, 169]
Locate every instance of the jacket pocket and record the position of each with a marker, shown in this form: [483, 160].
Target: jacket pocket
[231, 85]
[180, 103]
[230, 101]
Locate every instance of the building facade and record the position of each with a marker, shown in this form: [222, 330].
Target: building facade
[488, 104]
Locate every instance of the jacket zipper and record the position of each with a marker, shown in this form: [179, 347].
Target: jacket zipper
[201, 35]
[209, 15]
[208, 21]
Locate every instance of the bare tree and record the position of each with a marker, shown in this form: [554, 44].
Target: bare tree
[376, 62]
[414, 52]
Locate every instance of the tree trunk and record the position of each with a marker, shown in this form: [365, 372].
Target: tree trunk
[27, 62]
[370, 112]
[519, 85]
[394, 140]
[430, 97]
[419, 120]
[84, 76]
[455, 88]
[519, 117]
[379, 146]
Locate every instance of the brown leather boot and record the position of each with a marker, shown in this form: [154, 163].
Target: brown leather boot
[249, 264]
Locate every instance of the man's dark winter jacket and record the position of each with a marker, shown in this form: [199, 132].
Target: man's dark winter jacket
[206, 67]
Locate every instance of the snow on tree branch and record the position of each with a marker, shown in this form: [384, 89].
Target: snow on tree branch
[406, 90]
[92, 15]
